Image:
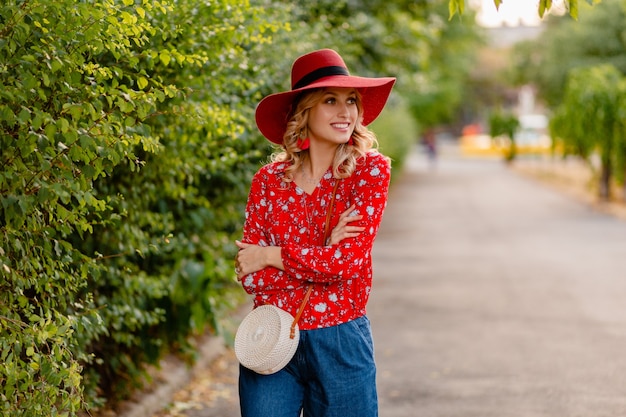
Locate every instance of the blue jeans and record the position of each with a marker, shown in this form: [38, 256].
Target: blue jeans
[332, 374]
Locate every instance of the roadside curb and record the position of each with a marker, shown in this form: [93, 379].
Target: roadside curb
[571, 179]
[173, 375]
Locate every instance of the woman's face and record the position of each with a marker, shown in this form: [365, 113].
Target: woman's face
[333, 118]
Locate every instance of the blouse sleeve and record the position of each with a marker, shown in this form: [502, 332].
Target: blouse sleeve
[255, 232]
[346, 260]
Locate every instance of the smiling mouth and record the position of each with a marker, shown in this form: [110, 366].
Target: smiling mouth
[341, 125]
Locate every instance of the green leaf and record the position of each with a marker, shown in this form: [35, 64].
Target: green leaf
[165, 57]
[50, 130]
[129, 121]
[56, 65]
[573, 9]
[452, 8]
[142, 82]
[37, 121]
[76, 111]
[542, 7]
[63, 124]
[24, 116]
[7, 115]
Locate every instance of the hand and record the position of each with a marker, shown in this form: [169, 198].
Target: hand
[252, 258]
[343, 230]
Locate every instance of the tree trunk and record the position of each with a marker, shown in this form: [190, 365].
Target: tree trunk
[624, 188]
[605, 180]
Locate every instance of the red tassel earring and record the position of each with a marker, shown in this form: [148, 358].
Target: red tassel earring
[351, 140]
[303, 143]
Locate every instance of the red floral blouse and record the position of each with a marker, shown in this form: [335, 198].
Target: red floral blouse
[282, 214]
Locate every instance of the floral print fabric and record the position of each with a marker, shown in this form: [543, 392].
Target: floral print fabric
[282, 214]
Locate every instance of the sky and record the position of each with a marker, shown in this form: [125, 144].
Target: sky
[510, 13]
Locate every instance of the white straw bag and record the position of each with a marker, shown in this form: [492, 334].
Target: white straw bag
[266, 339]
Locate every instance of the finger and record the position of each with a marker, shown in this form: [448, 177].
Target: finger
[343, 221]
[348, 220]
[354, 218]
[240, 271]
[242, 245]
[347, 212]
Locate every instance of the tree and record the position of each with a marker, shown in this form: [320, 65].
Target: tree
[586, 112]
[598, 37]
[504, 124]
[436, 91]
[591, 118]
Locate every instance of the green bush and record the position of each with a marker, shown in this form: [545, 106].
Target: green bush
[169, 259]
[126, 153]
[66, 120]
[397, 132]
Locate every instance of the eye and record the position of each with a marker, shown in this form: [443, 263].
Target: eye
[330, 100]
[351, 100]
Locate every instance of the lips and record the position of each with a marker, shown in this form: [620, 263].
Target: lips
[340, 125]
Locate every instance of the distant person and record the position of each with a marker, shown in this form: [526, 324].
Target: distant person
[320, 127]
[430, 145]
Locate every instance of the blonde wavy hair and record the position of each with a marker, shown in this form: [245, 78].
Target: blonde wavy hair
[346, 156]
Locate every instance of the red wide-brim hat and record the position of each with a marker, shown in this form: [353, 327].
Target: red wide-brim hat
[318, 69]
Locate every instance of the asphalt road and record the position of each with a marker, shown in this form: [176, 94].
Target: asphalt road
[497, 296]
[494, 295]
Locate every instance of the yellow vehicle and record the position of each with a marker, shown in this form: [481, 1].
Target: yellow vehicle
[530, 138]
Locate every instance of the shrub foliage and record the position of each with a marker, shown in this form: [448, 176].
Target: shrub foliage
[126, 151]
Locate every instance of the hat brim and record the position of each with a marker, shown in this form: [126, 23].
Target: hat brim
[272, 112]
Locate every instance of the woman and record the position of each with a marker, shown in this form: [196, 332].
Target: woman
[320, 126]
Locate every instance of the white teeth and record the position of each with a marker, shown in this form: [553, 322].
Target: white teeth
[341, 125]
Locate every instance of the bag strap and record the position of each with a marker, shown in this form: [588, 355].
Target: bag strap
[296, 319]
[329, 213]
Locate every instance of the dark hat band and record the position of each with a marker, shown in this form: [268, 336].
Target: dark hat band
[319, 73]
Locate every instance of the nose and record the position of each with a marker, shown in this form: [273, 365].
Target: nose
[344, 109]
